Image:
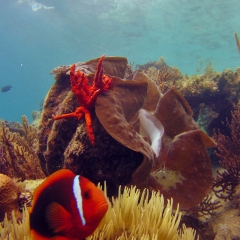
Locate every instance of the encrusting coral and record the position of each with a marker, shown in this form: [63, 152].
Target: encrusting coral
[123, 153]
[18, 156]
[131, 215]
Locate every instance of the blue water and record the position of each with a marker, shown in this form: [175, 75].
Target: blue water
[32, 42]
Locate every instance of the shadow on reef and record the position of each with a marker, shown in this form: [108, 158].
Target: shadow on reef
[126, 150]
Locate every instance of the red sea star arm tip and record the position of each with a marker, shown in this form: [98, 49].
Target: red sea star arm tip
[75, 114]
[89, 127]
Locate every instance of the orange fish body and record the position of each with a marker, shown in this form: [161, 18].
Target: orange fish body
[66, 207]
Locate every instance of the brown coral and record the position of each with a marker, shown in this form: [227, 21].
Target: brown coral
[17, 153]
[9, 194]
[228, 153]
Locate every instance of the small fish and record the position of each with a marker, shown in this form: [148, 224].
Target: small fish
[237, 42]
[66, 207]
[6, 88]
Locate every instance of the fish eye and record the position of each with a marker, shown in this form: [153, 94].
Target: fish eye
[86, 194]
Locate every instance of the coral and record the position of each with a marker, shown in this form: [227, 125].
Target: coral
[205, 116]
[207, 207]
[123, 153]
[18, 152]
[228, 152]
[164, 76]
[36, 117]
[129, 71]
[86, 94]
[132, 215]
[9, 193]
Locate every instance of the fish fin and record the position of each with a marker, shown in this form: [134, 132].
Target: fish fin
[36, 236]
[56, 176]
[62, 238]
[58, 218]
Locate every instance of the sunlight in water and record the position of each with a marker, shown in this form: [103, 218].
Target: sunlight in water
[36, 6]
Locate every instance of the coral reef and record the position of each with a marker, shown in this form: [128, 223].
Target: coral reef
[216, 91]
[164, 76]
[18, 152]
[122, 153]
[207, 207]
[132, 215]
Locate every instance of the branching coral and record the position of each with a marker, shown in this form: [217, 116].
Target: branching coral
[228, 151]
[18, 152]
[206, 207]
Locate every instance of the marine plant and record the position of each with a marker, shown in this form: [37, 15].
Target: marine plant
[228, 152]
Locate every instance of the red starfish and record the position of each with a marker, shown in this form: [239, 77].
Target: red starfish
[87, 94]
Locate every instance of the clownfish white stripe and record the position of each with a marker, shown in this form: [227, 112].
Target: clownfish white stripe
[78, 197]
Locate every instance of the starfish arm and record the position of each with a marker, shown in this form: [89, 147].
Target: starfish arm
[86, 94]
[77, 114]
[99, 72]
[89, 126]
[93, 99]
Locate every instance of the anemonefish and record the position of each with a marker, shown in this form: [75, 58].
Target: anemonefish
[66, 207]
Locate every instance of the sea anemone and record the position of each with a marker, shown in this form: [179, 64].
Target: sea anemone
[132, 215]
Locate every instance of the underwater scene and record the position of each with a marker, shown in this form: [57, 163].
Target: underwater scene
[120, 119]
